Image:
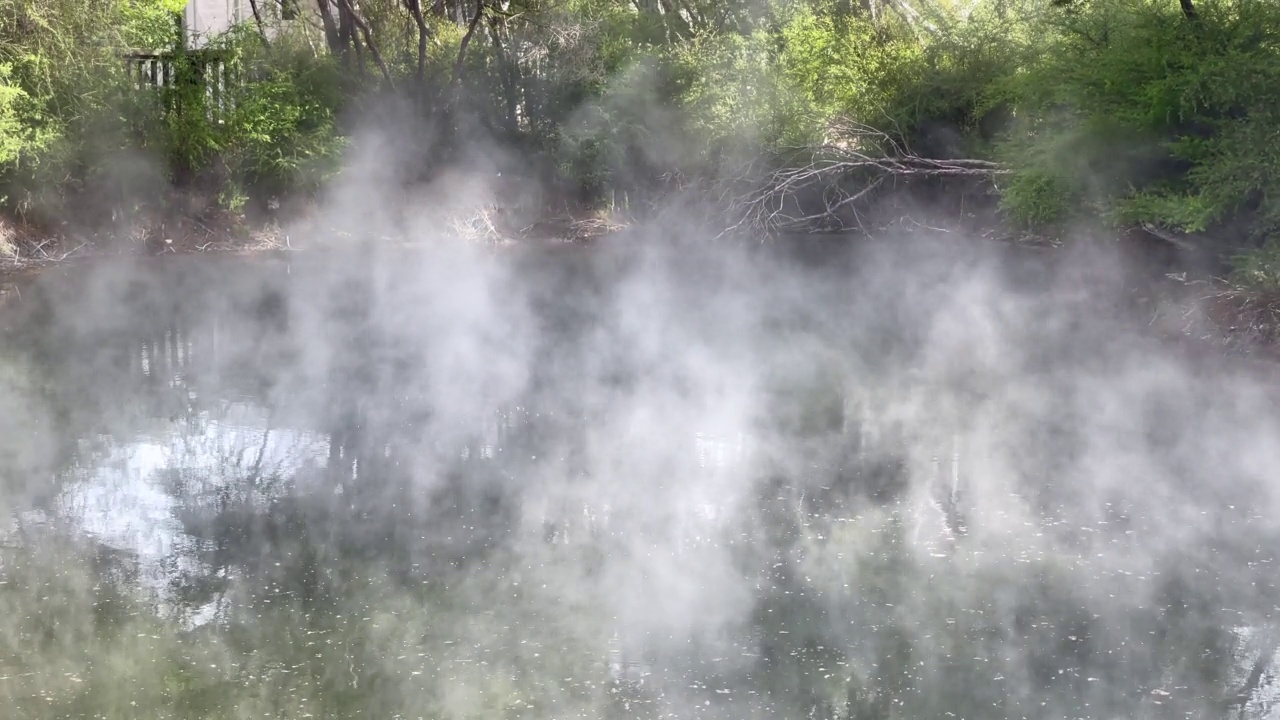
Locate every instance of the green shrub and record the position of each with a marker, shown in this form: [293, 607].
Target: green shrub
[64, 87]
[734, 90]
[280, 136]
[1038, 197]
[848, 65]
[1258, 269]
[19, 135]
[905, 79]
[151, 24]
[1171, 119]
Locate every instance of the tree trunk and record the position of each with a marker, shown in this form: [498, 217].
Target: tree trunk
[506, 67]
[460, 63]
[363, 28]
[530, 92]
[331, 36]
[1189, 9]
[347, 37]
[424, 32]
[257, 20]
[674, 22]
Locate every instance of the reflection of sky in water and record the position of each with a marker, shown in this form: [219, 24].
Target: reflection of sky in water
[121, 505]
[125, 500]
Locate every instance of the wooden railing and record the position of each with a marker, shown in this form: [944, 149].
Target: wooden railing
[168, 70]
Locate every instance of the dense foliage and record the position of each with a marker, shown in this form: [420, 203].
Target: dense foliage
[1152, 112]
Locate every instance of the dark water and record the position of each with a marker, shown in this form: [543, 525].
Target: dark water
[593, 485]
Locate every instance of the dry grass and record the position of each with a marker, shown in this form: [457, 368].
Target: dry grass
[1249, 317]
[491, 225]
[1214, 311]
[8, 239]
[482, 225]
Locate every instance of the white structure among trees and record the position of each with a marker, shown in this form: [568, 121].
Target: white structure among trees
[203, 19]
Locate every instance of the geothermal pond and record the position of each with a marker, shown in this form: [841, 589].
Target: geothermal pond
[891, 483]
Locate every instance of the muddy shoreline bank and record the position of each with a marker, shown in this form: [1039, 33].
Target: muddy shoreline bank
[1200, 315]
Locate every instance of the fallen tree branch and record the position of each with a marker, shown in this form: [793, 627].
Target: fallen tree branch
[775, 202]
[1168, 237]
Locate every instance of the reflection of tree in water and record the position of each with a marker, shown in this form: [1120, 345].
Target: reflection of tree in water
[398, 574]
[77, 641]
[359, 588]
[337, 613]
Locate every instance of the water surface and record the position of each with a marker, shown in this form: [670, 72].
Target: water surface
[690, 484]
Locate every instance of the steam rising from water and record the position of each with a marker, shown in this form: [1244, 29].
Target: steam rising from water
[653, 478]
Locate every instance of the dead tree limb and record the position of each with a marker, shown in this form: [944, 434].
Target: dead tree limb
[1169, 237]
[858, 154]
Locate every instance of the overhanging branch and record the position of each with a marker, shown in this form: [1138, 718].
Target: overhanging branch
[841, 172]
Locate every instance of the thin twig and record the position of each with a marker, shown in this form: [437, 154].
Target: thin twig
[69, 253]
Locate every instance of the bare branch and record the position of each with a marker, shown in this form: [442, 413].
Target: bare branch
[852, 151]
[1168, 237]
